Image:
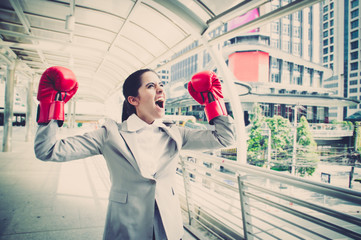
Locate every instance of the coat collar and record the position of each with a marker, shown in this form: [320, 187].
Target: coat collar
[128, 130]
[134, 124]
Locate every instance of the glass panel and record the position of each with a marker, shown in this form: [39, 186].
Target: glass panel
[98, 19]
[218, 7]
[158, 25]
[138, 50]
[119, 8]
[144, 38]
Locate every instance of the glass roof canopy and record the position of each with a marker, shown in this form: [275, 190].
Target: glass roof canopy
[104, 41]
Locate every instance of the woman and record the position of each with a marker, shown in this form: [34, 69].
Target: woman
[141, 152]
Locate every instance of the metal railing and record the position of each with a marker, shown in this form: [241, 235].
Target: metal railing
[322, 130]
[227, 200]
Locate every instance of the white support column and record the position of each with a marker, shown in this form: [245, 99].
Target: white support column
[69, 113]
[29, 111]
[236, 106]
[73, 114]
[9, 107]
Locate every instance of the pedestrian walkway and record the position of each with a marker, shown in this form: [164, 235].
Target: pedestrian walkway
[45, 200]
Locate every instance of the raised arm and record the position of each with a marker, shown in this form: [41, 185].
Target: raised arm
[206, 89]
[56, 87]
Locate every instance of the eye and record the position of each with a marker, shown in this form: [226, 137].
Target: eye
[150, 85]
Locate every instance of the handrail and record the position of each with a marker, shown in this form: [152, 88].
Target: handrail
[247, 202]
[342, 193]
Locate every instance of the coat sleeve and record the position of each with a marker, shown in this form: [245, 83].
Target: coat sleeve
[48, 147]
[222, 136]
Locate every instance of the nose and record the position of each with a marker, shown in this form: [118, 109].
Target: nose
[160, 88]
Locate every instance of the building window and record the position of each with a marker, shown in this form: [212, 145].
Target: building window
[325, 50]
[354, 34]
[275, 27]
[331, 31]
[354, 66]
[325, 59]
[354, 24]
[325, 25]
[354, 3]
[325, 8]
[354, 55]
[297, 16]
[331, 49]
[325, 17]
[353, 90]
[354, 45]
[325, 34]
[331, 40]
[353, 82]
[296, 49]
[275, 43]
[275, 77]
[286, 29]
[297, 32]
[325, 42]
[331, 5]
[353, 75]
[354, 13]
[331, 57]
[331, 23]
[331, 14]
[286, 46]
[275, 63]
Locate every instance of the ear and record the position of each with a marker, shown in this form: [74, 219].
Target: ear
[133, 100]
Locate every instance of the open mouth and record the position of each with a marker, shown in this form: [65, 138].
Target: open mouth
[160, 103]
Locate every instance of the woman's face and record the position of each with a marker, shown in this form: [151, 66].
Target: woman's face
[150, 102]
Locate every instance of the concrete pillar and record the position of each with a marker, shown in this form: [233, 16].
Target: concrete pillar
[29, 111]
[9, 108]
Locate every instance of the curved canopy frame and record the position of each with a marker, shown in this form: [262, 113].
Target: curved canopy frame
[104, 41]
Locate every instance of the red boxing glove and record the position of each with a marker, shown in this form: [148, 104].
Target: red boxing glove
[206, 89]
[56, 87]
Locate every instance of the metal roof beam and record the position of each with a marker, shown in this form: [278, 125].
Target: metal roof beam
[238, 10]
[271, 16]
[183, 12]
[24, 21]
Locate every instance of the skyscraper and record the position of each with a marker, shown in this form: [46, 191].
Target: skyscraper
[288, 61]
[341, 51]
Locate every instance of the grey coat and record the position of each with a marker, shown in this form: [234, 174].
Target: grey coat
[132, 196]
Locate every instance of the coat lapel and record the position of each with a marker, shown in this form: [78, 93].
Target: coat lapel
[130, 139]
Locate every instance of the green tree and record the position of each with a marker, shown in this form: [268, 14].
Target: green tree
[281, 141]
[257, 143]
[307, 156]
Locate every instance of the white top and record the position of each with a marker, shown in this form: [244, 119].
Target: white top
[153, 144]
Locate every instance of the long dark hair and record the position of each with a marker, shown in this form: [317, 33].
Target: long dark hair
[130, 88]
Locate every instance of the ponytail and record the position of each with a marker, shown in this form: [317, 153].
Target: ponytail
[128, 110]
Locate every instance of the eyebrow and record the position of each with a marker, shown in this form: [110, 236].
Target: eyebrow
[159, 83]
[149, 84]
